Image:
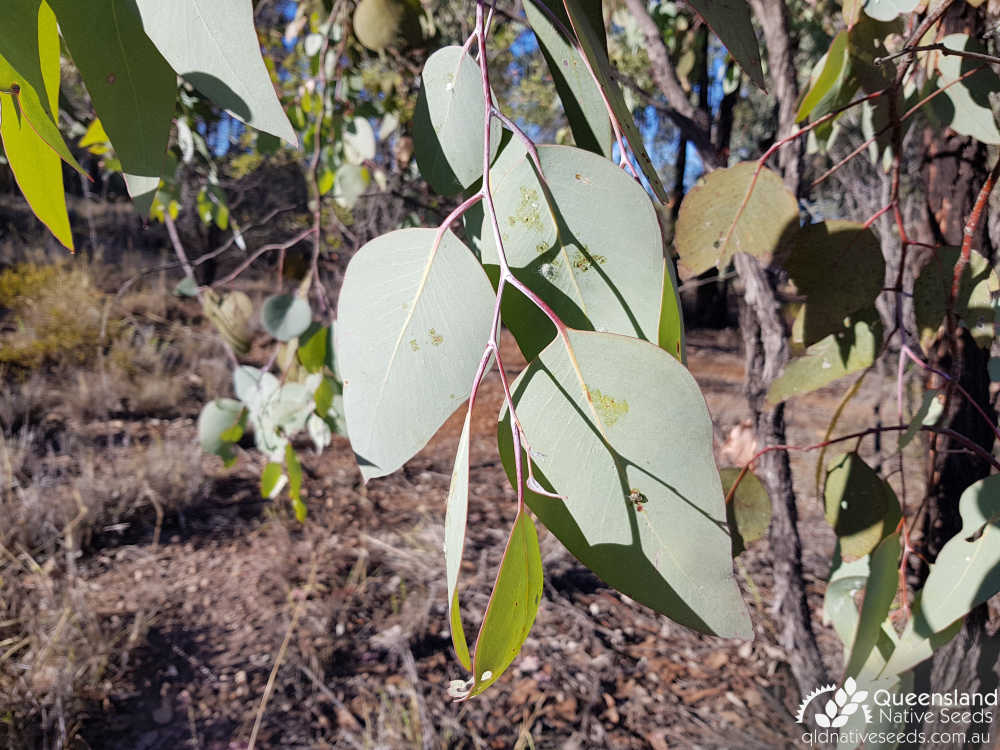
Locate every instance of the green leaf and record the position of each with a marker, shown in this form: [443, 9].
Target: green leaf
[887, 10]
[832, 84]
[215, 419]
[644, 513]
[965, 106]
[838, 266]
[918, 641]
[36, 168]
[412, 323]
[214, 46]
[967, 570]
[295, 482]
[271, 480]
[31, 142]
[860, 505]
[671, 336]
[455, 519]
[381, 23]
[840, 354]
[749, 512]
[716, 219]
[31, 61]
[880, 590]
[312, 347]
[285, 316]
[924, 416]
[581, 100]
[589, 29]
[513, 605]
[186, 287]
[587, 242]
[448, 123]
[132, 86]
[326, 391]
[730, 20]
[973, 306]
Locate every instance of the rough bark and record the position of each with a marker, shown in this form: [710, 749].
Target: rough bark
[766, 342]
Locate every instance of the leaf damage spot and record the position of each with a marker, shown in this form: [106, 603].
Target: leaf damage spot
[582, 262]
[414, 345]
[436, 338]
[528, 210]
[609, 409]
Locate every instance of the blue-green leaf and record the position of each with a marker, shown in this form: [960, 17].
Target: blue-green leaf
[214, 46]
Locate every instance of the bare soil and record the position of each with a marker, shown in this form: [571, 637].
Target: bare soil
[206, 596]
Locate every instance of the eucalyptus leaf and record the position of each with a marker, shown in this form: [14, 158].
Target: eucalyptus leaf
[588, 26]
[132, 86]
[213, 44]
[838, 266]
[967, 570]
[587, 241]
[645, 514]
[413, 319]
[456, 517]
[918, 641]
[448, 123]
[749, 512]
[880, 590]
[730, 212]
[837, 355]
[272, 481]
[216, 418]
[512, 607]
[860, 505]
[965, 105]
[973, 306]
[285, 316]
[730, 20]
[580, 97]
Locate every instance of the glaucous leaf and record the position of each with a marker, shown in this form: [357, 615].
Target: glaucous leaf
[412, 323]
[589, 29]
[644, 513]
[448, 122]
[887, 10]
[455, 518]
[581, 100]
[965, 106]
[880, 590]
[587, 242]
[967, 570]
[285, 316]
[918, 641]
[213, 45]
[718, 220]
[860, 505]
[839, 608]
[216, 418]
[359, 141]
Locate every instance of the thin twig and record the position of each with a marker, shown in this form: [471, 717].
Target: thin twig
[937, 47]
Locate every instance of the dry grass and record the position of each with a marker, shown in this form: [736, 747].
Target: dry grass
[85, 449]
